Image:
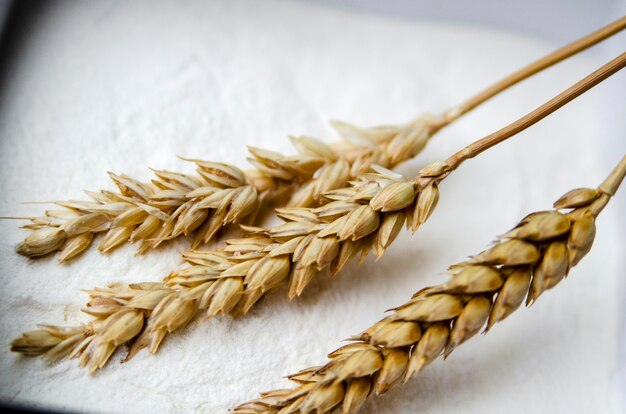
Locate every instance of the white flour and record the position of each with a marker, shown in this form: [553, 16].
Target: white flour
[122, 86]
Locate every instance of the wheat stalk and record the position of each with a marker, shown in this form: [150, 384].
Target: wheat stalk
[365, 216]
[525, 262]
[175, 204]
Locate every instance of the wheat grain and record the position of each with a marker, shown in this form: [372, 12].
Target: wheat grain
[175, 204]
[528, 260]
[360, 218]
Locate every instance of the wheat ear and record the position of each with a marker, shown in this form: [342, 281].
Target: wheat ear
[365, 216]
[525, 262]
[175, 204]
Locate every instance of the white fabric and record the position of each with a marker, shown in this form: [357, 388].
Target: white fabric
[122, 86]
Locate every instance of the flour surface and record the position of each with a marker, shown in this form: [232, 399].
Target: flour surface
[120, 86]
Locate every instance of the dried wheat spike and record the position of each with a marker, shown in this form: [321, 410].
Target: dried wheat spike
[175, 204]
[525, 262]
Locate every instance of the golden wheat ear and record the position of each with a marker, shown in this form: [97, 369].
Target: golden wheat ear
[525, 262]
[219, 195]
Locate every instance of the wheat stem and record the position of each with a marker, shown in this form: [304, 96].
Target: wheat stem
[539, 113]
[613, 181]
[535, 67]
[528, 260]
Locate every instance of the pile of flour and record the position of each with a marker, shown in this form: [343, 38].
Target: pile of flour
[122, 86]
